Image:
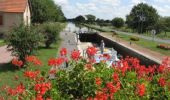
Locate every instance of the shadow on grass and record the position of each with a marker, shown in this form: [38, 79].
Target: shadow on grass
[5, 67]
[42, 47]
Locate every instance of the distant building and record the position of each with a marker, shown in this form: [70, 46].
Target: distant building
[12, 13]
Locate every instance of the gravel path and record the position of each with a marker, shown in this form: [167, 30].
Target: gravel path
[5, 55]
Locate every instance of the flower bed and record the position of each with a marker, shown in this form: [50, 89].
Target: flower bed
[85, 80]
[163, 46]
[134, 38]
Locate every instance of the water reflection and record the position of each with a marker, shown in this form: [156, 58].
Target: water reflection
[77, 28]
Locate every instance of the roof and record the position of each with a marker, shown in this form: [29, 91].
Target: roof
[13, 6]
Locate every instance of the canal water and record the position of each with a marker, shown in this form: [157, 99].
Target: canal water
[96, 39]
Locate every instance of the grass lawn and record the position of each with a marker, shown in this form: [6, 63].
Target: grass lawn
[8, 72]
[110, 28]
[160, 35]
[2, 42]
[146, 44]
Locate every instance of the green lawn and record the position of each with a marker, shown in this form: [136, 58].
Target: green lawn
[125, 29]
[160, 35]
[2, 42]
[146, 44]
[7, 71]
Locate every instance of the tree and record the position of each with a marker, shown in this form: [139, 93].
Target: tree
[50, 32]
[163, 24]
[141, 17]
[45, 10]
[80, 19]
[118, 22]
[90, 18]
[23, 41]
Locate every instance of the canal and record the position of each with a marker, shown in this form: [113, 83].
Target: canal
[89, 35]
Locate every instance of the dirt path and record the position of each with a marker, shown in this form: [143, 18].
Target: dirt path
[5, 56]
[156, 56]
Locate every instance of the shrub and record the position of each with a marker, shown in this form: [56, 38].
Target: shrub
[23, 41]
[163, 46]
[50, 32]
[134, 38]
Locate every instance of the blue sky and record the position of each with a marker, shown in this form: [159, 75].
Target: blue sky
[109, 9]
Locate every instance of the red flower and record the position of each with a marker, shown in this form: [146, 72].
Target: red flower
[34, 60]
[115, 77]
[52, 71]
[161, 69]
[51, 62]
[101, 96]
[17, 62]
[12, 92]
[91, 51]
[31, 74]
[111, 87]
[107, 56]
[59, 61]
[55, 61]
[42, 88]
[18, 90]
[75, 55]
[39, 97]
[162, 82]
[141, 89]
[63, 52]
[30, 58]
[98, 81]
[92, 60]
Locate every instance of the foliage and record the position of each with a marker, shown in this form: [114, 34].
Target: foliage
[80, 19]
[90, 18]
[134, 38]
[45, 10]
[102, 22]
[162, 25]
[118, 22]
[50, 32]
[141, 17]
[83, 79]
[23, 41]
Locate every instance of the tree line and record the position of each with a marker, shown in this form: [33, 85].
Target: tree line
[45, 10]
[142, 18]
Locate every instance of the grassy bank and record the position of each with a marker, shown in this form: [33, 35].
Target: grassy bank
[2, 43]
[125, 29]
[146, 44]
[8, 72]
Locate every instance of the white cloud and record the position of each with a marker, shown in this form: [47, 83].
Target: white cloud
[107, 2]
[61, 2]
[138, 1]
[108, 9]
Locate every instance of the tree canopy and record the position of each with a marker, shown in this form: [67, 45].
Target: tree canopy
[118, 22]
[90, 18]
[80, 19]
[45, 10]
[141, 17]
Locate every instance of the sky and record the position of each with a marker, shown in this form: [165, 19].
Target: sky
[109, 9]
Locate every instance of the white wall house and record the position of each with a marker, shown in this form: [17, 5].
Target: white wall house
[12, 13]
